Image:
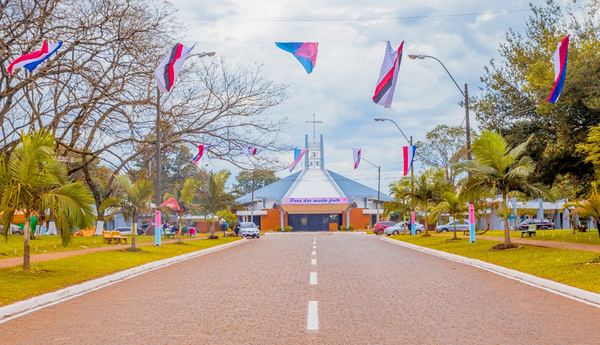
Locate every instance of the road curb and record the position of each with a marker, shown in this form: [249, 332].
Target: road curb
[21, 308]
[590, 298]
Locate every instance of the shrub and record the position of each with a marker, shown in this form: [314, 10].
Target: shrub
[350, 227]
[278, 228]
[288, 228]
[343, 227]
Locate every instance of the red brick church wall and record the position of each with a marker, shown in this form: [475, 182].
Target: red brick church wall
[358, 219]
[271, 220]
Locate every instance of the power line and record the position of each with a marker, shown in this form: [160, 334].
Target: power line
[357, 19]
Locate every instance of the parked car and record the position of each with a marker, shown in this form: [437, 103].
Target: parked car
[399, 228]
[14, 230]
[540, 224]
[380, 226]
[460, 226]
[249, 229]
[124, 230]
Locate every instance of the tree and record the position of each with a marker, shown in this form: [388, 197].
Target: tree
[33, 181]
[444, 146]
[591, 148]
[428, 189]
[229, 217]
[132, 200]
[516, 88]
[400, 192]
[213, 196]
[184, 195]
[498, 168]
[453, 204]
[260, 177]
[589, 207]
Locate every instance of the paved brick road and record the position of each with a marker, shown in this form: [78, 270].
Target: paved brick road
[368, 292]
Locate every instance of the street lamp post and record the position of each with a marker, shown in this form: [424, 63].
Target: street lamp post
[158, 188]
[465, 94]
[378, 185]
[412, 172]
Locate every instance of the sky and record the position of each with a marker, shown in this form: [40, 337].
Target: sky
[465, 35]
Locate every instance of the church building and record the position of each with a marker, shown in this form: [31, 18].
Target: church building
[313, 199]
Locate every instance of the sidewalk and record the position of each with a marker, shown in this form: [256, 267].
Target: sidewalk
[18, 261]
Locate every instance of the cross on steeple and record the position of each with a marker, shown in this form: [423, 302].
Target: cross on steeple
[314, 122]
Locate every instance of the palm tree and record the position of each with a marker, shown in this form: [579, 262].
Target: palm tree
[213, 197]
[589, 207]
[454, 205]
[184, 196]
[33, 181]
[499, 169]
[428, 188]
[132, 199]
[399, 190]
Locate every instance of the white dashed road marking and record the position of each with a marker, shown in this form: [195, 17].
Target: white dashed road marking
[312, 323]
[314, 247]
[313, 262]
[313, 278]
[314, 252]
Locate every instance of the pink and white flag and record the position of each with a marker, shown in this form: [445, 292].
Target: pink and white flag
[560, 69]
[409, 155]
[167, 71]
[356, 154]
[298, 154]
[33, 59]
[384, 92]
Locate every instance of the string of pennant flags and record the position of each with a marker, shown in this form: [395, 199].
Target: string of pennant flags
[306, 53]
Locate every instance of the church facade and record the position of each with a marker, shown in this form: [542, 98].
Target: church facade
[313, 199]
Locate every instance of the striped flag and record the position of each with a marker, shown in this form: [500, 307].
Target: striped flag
[167, 71]
[33, 59]
[298, 154]
[409, 156]
[356, 154]
[201, 149]
[305, 52]
[560, 69]
[384, 92]
[249, 151]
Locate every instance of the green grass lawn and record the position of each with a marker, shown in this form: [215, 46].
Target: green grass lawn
[50, 244]
[53, 275]
[570, 267]
[559, 235]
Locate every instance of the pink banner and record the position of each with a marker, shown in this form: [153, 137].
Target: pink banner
[313, 201]
[471, 214]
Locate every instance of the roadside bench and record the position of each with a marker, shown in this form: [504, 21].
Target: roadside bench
[531, 230]
[113, 237]
[168, 233]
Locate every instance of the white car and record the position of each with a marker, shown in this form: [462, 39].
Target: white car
[460, 226]
[124, 230]
[399, 228]
[249, 229]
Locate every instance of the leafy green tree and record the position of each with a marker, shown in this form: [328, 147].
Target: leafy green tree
[33, 181]
[453, 204]
[260, 177]
[516, 89]
[591, 148]
[444, 146]
[184, 195]
[499, 169]
[214, 197]
[229, 217]
[428, 190]
[589, 207]
[400, 192]
[132, 200]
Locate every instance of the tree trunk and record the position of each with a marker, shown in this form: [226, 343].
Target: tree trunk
[26, 237]
[425, 221]
[454, 223]
[506, 231]
[180, 230]
[133, 230]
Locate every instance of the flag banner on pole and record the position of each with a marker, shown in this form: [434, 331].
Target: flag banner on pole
[409, 156]
[305, 52]
[356, 154]
[560, 69]
[167, 71]
[33, 59]
[201, 149]
[171, 203]
[384, 92]
[249, 151]
[298, 154]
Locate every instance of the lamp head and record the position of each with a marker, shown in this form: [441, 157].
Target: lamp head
[210, 54]
[380, 119]
[413, 56]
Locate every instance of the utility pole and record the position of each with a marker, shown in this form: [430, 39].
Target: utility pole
[158, 162]
[467, 124]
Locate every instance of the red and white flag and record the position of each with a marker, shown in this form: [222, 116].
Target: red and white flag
[409, 156]
[167, 71]
[384, 92]
[356, 154]
[249, 151]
